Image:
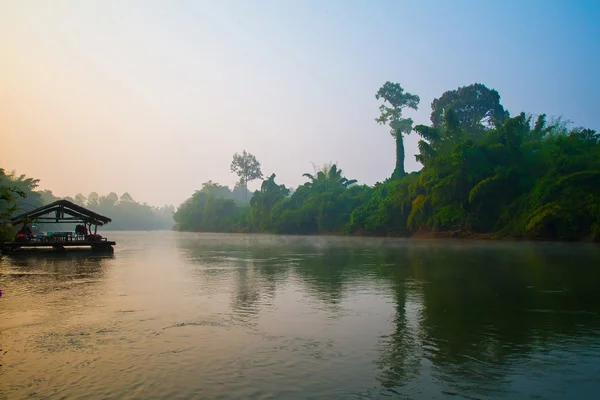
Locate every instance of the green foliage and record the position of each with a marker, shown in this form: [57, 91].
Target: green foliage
[204, 212]
[22, 188]
[511, 178]
[14, 193]
[483, 173]
[216, 190]
[214, 208]
[262, 203]
[476, 107]
[321, 205]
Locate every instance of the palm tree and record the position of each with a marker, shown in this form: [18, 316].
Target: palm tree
[270, 192]
[329, 177]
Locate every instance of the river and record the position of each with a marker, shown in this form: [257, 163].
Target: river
[179, 316]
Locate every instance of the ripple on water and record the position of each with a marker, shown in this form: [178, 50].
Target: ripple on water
[198, 323]
[229, 317]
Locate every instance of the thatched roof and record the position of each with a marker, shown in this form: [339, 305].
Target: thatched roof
[64, 212]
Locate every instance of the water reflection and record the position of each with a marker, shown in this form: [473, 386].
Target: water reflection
[35, 273]
[238, 316]
[45, 291]
[475, 316]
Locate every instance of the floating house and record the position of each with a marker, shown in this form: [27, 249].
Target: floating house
[60, 212]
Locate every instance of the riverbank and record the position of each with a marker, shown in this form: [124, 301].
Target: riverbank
[449, 235]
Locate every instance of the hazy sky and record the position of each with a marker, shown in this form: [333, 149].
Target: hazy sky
[154, 97]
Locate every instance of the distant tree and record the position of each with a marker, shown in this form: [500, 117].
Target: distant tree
[126, 198]
[110, 200]
[80, 199]
[216, 190]
[475, 106]
[47, 197]
[167, 211]
[205, 212]
[93, 199]
[240, 193]
[398, 99]
[247, 167]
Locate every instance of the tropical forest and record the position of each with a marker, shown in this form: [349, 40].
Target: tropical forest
[485, 174]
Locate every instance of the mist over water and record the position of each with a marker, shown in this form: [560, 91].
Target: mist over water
[174, 315]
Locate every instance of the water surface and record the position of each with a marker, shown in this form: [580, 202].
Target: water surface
[178, 316]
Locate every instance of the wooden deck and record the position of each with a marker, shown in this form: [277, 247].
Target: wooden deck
[94, 245]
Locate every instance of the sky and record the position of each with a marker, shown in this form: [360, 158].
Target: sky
[154, 98]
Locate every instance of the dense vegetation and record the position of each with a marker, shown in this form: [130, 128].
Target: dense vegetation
[483, 173]
[18, 193]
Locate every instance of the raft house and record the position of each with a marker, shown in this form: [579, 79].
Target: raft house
[60, 212]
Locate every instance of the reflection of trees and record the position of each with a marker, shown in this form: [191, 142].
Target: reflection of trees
[259, 272]
[472, 310]
[246, 300]
[399, 358]
[465, 311]
[484, 308]
[330, 272]
[400, 351]
[326, 272]
[254, 267]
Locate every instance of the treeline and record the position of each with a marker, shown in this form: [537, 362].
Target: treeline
[125, 212]
[19, 193]
[483, 173]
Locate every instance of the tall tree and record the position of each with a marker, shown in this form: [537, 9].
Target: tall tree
[398, 99]
[475, 106]
[247, 167]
